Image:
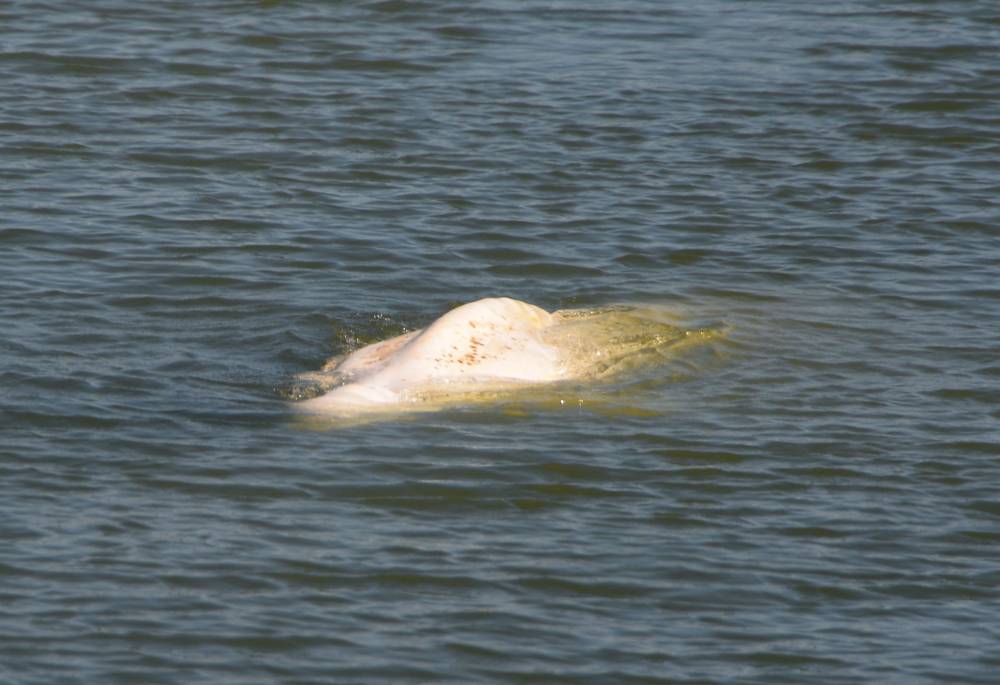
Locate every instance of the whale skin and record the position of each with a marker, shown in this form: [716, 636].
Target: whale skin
[483, 349]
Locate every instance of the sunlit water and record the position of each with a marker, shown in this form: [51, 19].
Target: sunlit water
[199, 202]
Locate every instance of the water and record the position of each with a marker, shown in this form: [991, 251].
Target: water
[200, 201]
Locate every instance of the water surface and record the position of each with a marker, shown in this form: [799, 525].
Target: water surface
[198, 202]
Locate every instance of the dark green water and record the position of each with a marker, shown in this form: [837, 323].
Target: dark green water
[200, 200]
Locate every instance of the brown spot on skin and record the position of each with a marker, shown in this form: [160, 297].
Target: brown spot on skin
[472, 323]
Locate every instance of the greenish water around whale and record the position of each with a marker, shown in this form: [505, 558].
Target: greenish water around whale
[199, 202]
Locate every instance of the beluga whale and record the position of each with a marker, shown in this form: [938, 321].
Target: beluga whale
[491, 350]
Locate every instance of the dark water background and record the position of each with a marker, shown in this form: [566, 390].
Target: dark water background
[200, 200]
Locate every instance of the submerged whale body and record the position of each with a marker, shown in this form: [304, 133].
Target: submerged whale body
[485, 348]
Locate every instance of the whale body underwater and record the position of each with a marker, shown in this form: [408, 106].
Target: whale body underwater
[490, 349]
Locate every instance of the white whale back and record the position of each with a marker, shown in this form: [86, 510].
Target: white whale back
[491, 340]
[489, 349]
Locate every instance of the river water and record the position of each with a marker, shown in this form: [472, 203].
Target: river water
[199, 201]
